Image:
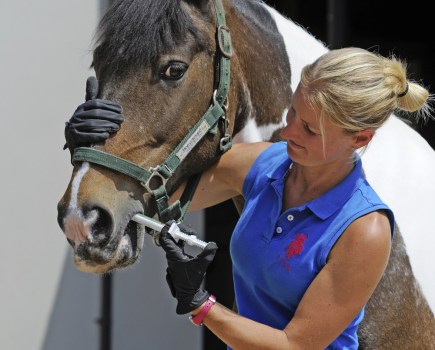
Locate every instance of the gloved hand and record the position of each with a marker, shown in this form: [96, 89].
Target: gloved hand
[185, 273]
[93, 121]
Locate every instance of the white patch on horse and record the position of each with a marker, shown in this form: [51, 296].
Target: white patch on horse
[284, 117]
[295, 37]
[76, 185]
[251, 132]
[254, 133]
[78, 228]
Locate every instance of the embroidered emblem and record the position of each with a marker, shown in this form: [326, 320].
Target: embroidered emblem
[295, 247]
[282, 263]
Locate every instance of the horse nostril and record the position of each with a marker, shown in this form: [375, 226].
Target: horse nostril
[102, 226]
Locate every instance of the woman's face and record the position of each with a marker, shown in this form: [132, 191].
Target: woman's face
[307, 143]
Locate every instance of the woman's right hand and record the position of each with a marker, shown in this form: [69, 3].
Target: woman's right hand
[186, 273]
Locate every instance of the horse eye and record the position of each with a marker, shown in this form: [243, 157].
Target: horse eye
[174, 71]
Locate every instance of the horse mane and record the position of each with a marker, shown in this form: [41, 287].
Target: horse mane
[256, 13]
[133, 33]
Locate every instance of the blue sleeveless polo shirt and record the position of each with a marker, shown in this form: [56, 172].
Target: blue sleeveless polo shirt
[277, 255]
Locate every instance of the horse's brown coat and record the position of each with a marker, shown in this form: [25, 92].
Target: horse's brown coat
[397, 315]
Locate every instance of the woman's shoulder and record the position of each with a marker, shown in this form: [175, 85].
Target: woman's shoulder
[372, 227]
[367, 235]
[363, 250]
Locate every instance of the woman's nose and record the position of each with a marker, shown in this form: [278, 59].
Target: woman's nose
[283, 132]
[288, 129]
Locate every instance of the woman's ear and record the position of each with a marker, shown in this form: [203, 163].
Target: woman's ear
[363, 137]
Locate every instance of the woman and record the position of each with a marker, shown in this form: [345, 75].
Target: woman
[313, 239]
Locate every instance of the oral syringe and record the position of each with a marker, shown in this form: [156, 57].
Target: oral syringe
[174, 230]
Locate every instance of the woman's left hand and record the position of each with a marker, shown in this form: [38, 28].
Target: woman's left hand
[186, 273]
[93, 121]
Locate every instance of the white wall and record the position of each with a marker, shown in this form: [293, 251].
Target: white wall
[45, 303]
[44, 62]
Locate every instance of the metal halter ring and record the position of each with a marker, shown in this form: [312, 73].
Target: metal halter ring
[155, 174]
[223, 105]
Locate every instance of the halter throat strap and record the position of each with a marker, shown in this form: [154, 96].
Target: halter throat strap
[154, 179]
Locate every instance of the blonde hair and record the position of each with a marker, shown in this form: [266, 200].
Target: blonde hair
[359, 89]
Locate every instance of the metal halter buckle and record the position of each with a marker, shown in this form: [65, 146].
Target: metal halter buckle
[225, 143]
[220, 34]
[155, 175]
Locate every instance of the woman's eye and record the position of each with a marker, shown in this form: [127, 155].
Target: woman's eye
[174, 71]
[308, 130]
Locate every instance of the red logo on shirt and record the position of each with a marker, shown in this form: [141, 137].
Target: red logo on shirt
[295, 247]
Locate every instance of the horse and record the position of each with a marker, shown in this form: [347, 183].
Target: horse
[235, 63]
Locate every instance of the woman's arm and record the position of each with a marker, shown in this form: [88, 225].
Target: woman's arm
[354, 268]
[224, 179]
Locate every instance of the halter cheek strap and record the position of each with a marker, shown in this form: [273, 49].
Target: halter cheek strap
[154, 179]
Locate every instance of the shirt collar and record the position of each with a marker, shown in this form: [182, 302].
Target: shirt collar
[279, 172]
[328, 203]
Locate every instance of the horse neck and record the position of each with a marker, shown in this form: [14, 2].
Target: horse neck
[267, 44]
[260, 74]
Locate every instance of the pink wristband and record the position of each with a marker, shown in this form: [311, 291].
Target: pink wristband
[198, 318]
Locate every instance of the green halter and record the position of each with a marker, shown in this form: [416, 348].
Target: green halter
[154, 179]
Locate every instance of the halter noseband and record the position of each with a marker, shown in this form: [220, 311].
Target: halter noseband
[154, 179]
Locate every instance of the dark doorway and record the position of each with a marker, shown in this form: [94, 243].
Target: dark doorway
[405, 31]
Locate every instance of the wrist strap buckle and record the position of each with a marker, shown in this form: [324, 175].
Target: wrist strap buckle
[198, 319]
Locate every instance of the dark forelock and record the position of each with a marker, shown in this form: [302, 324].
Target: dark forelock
[133, 32]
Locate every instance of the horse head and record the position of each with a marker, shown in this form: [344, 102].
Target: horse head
[168, 64]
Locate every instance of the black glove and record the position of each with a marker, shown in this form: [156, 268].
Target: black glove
[186, 273]
[93, 121]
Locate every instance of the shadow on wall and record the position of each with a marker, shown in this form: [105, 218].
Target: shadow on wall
[73, 321]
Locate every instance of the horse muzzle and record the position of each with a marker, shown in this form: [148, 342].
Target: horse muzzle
[102, 242]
